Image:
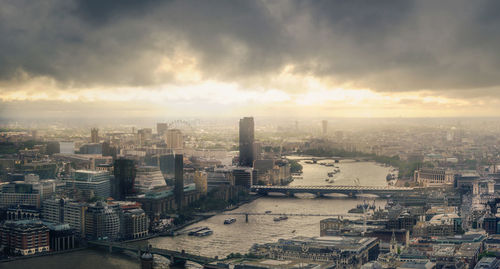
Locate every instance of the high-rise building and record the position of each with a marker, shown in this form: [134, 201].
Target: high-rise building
[161, 128]
[179, 180]
[124, 181]
[246, 142]
[148, 178]
[174, 139]
[167, 164]
[200, 180]
[94, 135]
[324, 125]
[144, 135]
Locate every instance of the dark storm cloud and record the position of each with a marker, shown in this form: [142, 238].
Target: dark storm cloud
[383, 45]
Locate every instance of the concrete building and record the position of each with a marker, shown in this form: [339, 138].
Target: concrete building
[161, 128]
[96, 183]
[434, 177]
[200, 180]
[343, 252]
[102, 222]
[174, 139]
[94, 135]
[66, 147]
[148, 178]
[91, 148]
[246, 141]
[65, 211]
[20, 193]
[488, 263]
[25, 237]
[243, 176]
[179, 181]
[135, 223]
[62, 237]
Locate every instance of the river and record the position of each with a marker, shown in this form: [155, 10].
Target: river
[240, 236]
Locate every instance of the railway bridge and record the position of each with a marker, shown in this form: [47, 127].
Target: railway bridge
[322, 190]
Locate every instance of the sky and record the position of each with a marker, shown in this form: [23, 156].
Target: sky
[92, 58]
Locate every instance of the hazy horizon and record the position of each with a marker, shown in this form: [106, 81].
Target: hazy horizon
[325, 59]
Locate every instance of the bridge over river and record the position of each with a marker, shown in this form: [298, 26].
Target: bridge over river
[176, 257]
[383, 191]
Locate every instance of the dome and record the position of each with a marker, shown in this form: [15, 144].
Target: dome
[147, 256]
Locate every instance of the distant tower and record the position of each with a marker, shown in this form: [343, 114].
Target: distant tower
[324, 124]
[179, 181]
[161, 128]
[394, 244]
[246, 141]
[94, 135]
[174, 139]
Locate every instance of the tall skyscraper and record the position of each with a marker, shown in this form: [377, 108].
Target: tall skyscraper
[246, 141]
[179, 180]
[94, 135]
[174, 139]
[324, 124]
[123, 184]
[161, 128]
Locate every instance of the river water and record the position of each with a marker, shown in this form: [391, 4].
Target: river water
[240, 236]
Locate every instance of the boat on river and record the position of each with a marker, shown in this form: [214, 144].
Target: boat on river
[229, 221]
[280, 218]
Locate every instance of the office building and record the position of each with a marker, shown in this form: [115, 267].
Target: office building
[488, 263]
[174, 139]
[20, 193]
[179, 180]
[67, 147]
[91, 148]
[200, 180]
[65, 211]
[434, 177]
[135, 223]
[94, 135]
[24, 237]
[61, 237]
[92, 183]
[167, 164]
[148, 178]
[144, 135]
[343, 252]
[243, 177]
[161, 128]
[246, 140]
[123, 184]
[102, 222]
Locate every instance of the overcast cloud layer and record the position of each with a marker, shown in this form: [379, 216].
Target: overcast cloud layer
[440, 48]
